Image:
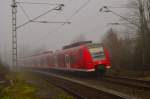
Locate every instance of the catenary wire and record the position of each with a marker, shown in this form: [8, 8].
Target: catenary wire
[23, 10]
[68, 19]
[37, 17]
[52, 22]
[40, 3]
[29, 19]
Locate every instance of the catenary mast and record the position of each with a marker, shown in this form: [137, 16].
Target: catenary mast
[14, 35]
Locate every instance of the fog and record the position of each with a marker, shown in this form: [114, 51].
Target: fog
[84, 16]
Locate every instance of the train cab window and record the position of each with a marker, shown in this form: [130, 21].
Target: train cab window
[97, 53]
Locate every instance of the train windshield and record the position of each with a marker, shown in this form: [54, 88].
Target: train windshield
[97, 53]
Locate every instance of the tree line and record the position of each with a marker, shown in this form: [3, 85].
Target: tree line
[129, 52]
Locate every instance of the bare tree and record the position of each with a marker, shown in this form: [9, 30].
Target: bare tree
[120, 50]
[141, 16]
[112, 43]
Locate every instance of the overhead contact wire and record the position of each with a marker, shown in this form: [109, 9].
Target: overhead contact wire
[59, 27]
[23, 10]
[39, 3]
[36, 17]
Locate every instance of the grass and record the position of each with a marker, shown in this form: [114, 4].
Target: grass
[21, 88]
[18, 89]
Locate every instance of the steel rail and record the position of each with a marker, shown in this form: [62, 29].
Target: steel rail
[81, 89]
[135, 83]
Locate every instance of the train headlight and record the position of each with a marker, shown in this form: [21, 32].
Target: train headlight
[108, 67]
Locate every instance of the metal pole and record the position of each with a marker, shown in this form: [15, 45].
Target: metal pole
[14, 35]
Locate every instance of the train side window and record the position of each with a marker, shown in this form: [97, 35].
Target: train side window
[56, 60]
[47, 61]
[41, 62]
[62, 59]
[81, 54]
[73, 59]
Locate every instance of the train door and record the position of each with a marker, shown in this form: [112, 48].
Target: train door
[55, 61]
[67, 61]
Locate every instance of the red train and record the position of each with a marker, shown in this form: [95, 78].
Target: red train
[82, 56]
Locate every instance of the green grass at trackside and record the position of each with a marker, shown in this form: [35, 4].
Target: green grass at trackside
[18, 89]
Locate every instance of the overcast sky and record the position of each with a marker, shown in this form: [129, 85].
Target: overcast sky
[88, 21]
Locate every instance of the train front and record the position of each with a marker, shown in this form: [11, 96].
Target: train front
[99, 57]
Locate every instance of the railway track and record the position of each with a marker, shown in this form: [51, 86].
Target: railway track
[134, 83]
[128, 82]
[80, 89]
[106, 87]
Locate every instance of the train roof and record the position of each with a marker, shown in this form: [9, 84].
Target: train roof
[86, 43]
[93, 45]
[39, 54]
[72, 46]
[76, 44]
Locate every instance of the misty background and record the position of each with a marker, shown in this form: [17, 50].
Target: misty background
[86, 21]
[123, 26]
